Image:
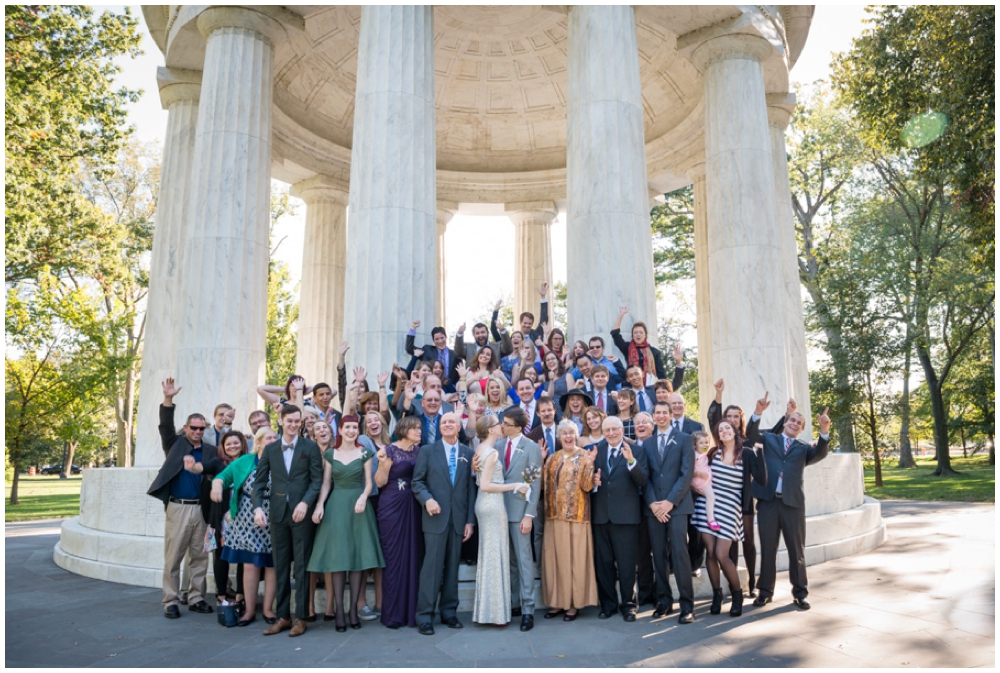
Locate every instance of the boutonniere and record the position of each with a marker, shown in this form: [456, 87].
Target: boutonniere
[463, 459]
[671, 441]
[401, 483]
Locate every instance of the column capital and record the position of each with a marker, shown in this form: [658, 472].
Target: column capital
[780, 107]
[731, 46]
[268, 21]
[544, 211]
[446, 210]
[321, 188]
[176, 84]
[696, 171]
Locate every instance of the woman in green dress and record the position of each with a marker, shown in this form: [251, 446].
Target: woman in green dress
[347, 541]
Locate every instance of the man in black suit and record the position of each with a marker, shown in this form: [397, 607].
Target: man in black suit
[526, 320]
[436, 351]
[616, 512]
[781, 503]
[681, 423]
[295, 467]
[670, 455]
[600, 377]
[545, 411]
[526, 393]
[444, 486]
[180, 484]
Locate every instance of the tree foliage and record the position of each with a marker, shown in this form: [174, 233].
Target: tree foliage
[282, 300]
[673, 236]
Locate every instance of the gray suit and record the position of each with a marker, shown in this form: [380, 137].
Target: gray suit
[522, 566]
[442, 532]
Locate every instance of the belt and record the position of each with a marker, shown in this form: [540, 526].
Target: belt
[181, 501]
[777, 495]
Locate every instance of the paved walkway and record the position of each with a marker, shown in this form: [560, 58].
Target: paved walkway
[925, 598]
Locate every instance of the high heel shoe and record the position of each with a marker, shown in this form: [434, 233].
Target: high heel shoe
[247, 622]
[737, 607]
[340, 628]
[716, 602]
[356, 625]
[329, 618]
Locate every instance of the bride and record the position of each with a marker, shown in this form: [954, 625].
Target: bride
[492, 604]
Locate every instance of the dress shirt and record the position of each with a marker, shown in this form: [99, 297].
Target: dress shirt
[784, 439]
[601, 403]
[641, 395]
[286, 453]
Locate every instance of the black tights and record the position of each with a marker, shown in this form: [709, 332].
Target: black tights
[749, 552]
[339, 578]
[717, 556]
[221, 570]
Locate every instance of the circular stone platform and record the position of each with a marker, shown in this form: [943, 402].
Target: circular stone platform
[118, 536]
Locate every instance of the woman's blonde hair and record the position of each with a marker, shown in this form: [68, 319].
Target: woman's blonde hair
[258, 439]
[484, 424]
[383, 437]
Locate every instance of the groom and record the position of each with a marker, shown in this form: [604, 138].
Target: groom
[443, 484]
[517, 453]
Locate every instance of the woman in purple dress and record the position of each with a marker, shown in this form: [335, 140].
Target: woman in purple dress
[399, 525]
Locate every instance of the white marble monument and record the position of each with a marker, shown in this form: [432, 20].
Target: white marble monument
[390, 120]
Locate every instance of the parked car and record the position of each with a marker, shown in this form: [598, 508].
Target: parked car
[56, 469]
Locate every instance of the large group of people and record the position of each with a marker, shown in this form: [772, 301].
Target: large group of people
[519, 454]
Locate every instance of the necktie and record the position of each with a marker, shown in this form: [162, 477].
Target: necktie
[506, 458]
[788, 443]
[285, 447]
[612, 457]
[642, 400]
[431, 431]
[600, 400]
[662, 447]
[677, 425]
[549, 441]
[452, 464]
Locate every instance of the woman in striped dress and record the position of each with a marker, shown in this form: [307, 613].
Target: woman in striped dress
[726, 459]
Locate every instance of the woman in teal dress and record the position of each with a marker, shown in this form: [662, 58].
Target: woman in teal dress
[347, 541]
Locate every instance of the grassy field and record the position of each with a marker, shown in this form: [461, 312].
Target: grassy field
[976, 483]
[43, 498]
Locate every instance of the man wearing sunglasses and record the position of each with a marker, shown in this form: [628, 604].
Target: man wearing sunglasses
[179, 484]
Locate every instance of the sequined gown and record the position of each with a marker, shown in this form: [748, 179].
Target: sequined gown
[492, 604]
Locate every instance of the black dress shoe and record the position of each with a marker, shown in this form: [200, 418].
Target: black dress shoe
[527, 622]
[356, 625]
[663, 609]
[452, 623]
[686, 618]
[551, 615]
[571, 617]
[801, 602]
[394, 627]
[629, 616]
[200, 606]
[172, 612]
[247, 622]
[605, 615]
[515, 612]
[761, 600]
[426, 629]
[340, 628]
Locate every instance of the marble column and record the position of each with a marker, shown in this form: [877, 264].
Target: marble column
[221, 344]
[779, 111]
[446, 211]
[321, 300]
[391, 269]
[706, 389]
[610, 256]
[179, 92]
[532, 251]
[746, 284]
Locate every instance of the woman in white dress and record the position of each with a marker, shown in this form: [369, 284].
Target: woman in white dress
[492, 603]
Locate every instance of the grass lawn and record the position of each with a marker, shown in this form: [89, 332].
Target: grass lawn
[43, 497]
[976, 483]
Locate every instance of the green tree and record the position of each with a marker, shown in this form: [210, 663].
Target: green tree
[916, 59]
[60, 108]
[282, 300]
[673, 236]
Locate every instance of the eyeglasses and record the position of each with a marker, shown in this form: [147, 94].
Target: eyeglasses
[197, 428]
[508, 425]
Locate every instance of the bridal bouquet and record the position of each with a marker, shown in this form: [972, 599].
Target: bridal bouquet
[530, 474]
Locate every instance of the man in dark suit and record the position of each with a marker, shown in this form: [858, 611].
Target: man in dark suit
[670, 455]
[681, 423]
[526, 321]
[295, 467]
[436, 351]
[616, 512]
[481, 339]
[545, 430]
[600, 377]
[180, 485]
[526, 393]
[444, 486]
[781, 503]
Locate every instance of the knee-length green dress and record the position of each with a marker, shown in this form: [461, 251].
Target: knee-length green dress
[346, 541]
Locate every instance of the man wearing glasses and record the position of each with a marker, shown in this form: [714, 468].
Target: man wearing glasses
[179, 485]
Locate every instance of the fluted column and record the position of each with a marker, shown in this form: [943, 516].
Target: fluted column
[532, 250]
[446, 211]
[706, 389]
[179, 92]
[321, 299]
[779, 112]
[391, 268]
[745, 277]
[610, 255]
[224, 280]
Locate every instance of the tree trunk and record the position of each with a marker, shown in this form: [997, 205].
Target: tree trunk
[965, 449]
[941, 448]
[993, 457]
[873, 431]
[905, 448]
[68, 460]
[845, 417]
[16, 480]
[62, 472]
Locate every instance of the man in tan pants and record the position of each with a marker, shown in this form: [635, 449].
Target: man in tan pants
[179, 484]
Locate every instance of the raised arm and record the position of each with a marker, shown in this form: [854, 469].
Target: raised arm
[410, 336]
[342, 373]
[543, 312]
[168, 431]
[616, 331]
[270, 394]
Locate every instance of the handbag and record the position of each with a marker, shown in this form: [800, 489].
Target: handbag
[209, 544]
[228, 615]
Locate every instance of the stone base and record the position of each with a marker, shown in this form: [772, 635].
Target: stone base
[118, 536]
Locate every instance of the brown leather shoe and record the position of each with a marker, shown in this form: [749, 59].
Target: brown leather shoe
[279, 626]
[298, 628]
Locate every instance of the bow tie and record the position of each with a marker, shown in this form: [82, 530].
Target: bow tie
[285, 447]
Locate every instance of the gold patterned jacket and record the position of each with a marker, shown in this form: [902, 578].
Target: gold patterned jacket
[568, 482]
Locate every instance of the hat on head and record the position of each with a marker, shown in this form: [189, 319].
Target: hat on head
[587, 399]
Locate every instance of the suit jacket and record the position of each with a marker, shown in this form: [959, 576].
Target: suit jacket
[417, 409]
[431, 480]
[791, 465]
[431, 354]
[467, 350]
[537, 434]
[618, 499]
[524, 454]
[670, 479]
[609, 402]
[176, 447]
[288, 488]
